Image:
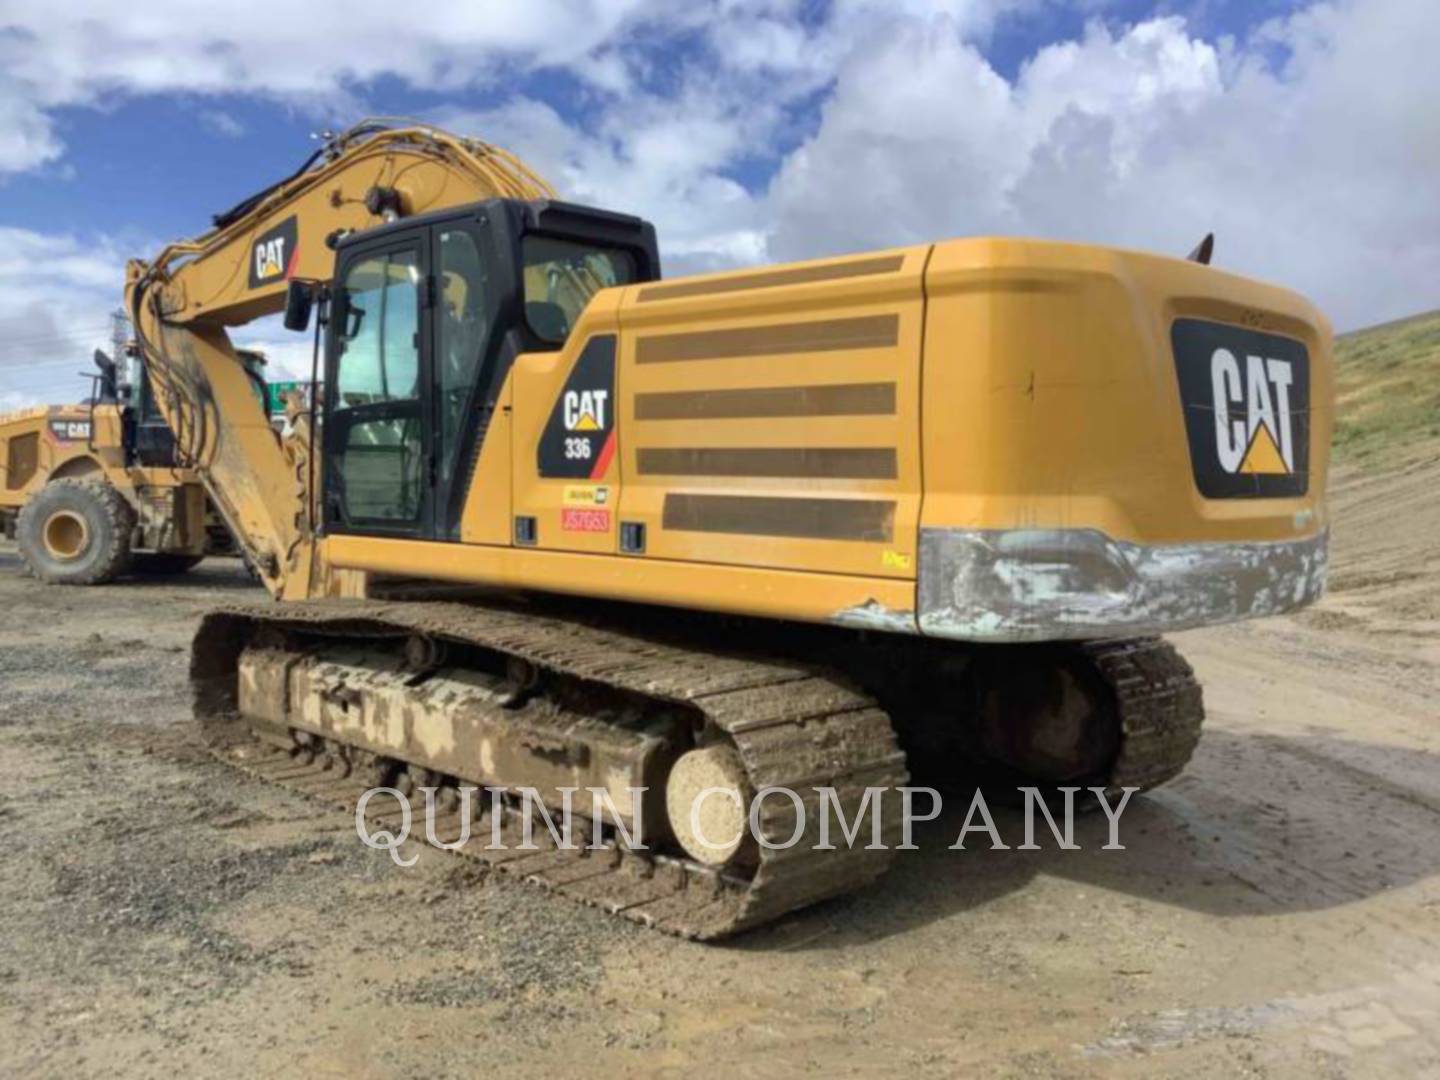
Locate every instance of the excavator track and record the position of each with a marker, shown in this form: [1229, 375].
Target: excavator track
[1160, 709]
[793, 727]
[793, 724]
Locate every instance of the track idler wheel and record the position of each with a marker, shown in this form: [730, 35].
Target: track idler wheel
[708, 787]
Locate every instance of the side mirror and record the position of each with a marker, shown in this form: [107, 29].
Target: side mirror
[299, 299]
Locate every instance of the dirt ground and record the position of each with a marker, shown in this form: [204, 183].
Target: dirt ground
[1276, 911]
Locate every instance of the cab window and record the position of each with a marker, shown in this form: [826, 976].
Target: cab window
[380, 338]
[462, 329]
[379, 467]
[560, 278]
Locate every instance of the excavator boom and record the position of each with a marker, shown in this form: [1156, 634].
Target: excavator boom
[182, 302]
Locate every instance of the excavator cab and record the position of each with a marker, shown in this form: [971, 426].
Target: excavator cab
[427, 316]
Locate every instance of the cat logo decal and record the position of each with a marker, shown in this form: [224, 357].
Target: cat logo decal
[1246, 398]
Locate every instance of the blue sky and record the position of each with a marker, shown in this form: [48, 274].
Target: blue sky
[749, 130]
[160, 164]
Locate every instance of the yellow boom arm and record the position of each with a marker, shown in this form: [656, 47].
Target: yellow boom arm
[183, 300]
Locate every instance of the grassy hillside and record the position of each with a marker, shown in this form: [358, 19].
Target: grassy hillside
[1388, 389]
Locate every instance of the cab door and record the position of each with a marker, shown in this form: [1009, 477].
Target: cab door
[470, 363]
[378, 438]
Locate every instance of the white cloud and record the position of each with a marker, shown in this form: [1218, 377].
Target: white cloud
[222, 123]
[288, 354]
[1310, 174]
[674, 155]
[1303, 147]
[27, 138]
[1308, 146]
[87, 52]
[932, 141]
[56, 295]
[663, 164]
[11, 400]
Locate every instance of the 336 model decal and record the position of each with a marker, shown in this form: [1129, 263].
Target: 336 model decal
[579, 438]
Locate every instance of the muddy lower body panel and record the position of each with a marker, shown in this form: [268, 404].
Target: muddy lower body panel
[471, 725]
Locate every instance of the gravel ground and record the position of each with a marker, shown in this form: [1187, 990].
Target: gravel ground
[1276, 911]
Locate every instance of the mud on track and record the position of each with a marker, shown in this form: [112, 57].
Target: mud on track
[1277, 912]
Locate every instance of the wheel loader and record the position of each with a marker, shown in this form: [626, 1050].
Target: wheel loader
[558, 523]
[92, 490]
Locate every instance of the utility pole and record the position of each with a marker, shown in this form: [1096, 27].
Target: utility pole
[119, 338]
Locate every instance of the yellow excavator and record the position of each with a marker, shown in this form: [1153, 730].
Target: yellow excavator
[557, 523]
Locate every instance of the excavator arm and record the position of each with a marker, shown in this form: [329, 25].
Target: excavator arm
[183, 301]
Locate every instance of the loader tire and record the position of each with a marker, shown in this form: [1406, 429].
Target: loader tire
[165, 563]
[75, 532]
